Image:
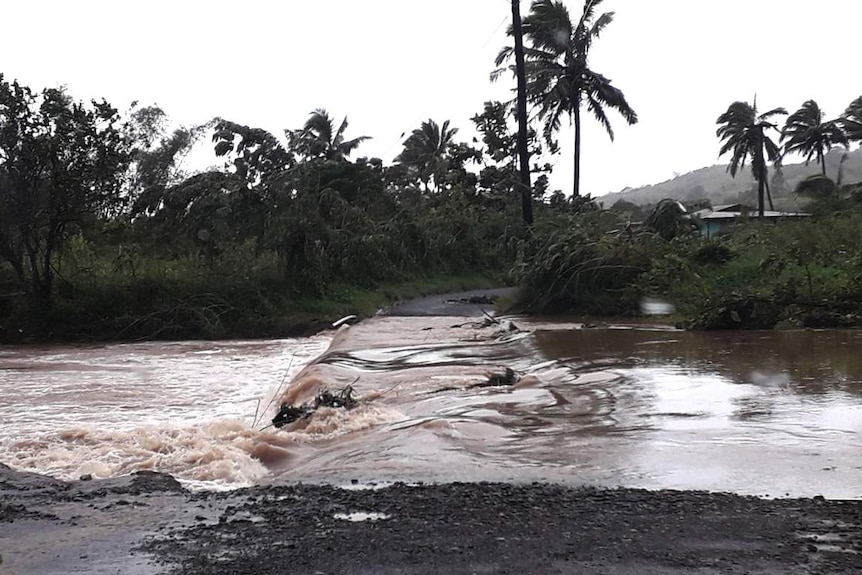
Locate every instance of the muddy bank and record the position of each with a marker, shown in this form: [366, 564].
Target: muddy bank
[146, 523]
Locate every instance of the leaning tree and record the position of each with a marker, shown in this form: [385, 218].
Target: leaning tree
[744, 133]
[807, 134]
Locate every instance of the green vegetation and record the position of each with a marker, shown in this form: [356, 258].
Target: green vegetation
[103, 235]
[802, 272]
[756, 275]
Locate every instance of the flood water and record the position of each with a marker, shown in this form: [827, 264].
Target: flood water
[766, 413]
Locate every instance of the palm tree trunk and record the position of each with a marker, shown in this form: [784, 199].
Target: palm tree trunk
[523, 149]
[768, 194]
[577, 117]
[760, 188]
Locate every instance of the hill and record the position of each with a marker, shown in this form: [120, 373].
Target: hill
[716, 184]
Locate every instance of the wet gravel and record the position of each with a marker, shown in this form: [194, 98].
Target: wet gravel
[503, 528]
[146, 523]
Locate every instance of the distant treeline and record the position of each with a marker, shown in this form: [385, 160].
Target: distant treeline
[715, 184]
[104, 235]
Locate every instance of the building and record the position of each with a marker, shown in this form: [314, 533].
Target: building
[712, 221]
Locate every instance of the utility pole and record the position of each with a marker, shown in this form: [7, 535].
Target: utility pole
[523, 149]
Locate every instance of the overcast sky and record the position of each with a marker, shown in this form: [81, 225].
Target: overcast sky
[389, 64]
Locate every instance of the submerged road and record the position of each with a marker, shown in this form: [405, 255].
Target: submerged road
[147, 523]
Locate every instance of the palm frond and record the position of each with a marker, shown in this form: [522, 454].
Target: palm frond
[601, 23]
[505, 54]
[774, 112]
[851, 120]
[589, 12]
[350, 145]
[595, 106]
[548, 26]
[605, 93]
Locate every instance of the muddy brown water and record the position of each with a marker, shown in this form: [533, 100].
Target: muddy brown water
[766, 413]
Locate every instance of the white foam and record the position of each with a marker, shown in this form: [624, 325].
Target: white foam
[358, 516]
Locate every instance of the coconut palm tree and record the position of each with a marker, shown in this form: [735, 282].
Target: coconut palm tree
[426, 150]
[559, 80]
[744, 133]
[808, 135]
[521, 113]
[852, 120]
[318, 138]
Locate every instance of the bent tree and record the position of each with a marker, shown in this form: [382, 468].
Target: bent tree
[807, 134]
[62, 166]
[744, 133]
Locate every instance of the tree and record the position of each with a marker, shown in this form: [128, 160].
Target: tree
[257, 154]
[156, 156]
[559, 80]
[523, 146]
[817, 187]
[669, 219]
[319, 138]
[500, 174]
[852, 120]
[426, 149]
[744, 133]
[62, 166]
[808, 135]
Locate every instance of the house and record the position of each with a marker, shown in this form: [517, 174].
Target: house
[712, 221]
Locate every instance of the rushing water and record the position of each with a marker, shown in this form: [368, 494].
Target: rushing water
[777, 413]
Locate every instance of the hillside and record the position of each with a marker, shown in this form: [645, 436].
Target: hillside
[715, 184]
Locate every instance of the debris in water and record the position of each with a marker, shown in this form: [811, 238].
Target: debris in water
[288, 413]
[507, 377]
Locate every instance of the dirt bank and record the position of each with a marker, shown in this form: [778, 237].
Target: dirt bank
[147, 524]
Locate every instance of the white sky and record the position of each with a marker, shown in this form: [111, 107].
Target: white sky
[389, 64]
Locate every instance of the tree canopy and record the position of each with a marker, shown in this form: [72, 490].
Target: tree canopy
[62, 163]
[744, 134]
[559, 78]
[807, 134]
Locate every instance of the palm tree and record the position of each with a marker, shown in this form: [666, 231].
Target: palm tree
[426, 150]
[808, 135]
[743, 133]
[559, 80]
[319, 138]
[852, 120]
[521, 112]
